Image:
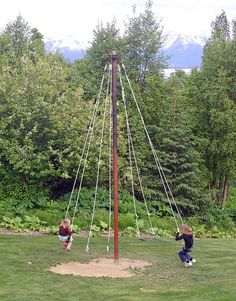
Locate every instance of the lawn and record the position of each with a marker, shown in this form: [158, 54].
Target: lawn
[25, 261]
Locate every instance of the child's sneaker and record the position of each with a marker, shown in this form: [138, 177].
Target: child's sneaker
[188, 264]
[193, 260]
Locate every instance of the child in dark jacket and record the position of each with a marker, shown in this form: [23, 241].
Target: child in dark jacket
[187, 236]
[65, 233]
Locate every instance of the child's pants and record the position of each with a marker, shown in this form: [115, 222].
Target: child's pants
[183, 254]
[67, 241]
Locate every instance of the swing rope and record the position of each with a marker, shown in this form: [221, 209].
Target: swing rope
[131, 156]
[99, 161]
[160, 170]
[86, 144]
[131, 148]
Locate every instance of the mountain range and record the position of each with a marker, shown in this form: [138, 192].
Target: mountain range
[70, 48]
[183, 52]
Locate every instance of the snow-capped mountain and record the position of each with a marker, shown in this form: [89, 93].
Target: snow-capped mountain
[172, 37]
[184, 52]
[68, 46]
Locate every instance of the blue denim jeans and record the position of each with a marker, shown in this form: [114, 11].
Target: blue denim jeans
[183, 254]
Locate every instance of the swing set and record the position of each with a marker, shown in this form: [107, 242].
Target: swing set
[106, 102]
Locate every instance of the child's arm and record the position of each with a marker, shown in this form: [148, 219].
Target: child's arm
[178, 237]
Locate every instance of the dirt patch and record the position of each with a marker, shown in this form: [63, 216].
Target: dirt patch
[102, 267]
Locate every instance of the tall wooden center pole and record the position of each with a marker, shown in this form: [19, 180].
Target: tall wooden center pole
[115, 156]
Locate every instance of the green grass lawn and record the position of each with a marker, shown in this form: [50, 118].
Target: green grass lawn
[213, 277]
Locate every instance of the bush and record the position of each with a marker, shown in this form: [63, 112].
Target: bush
[166, 223]
[129, 232]
[51, 218]
[86, 199]
[16, 197]
[25, 223]
[126, 220]
[219, 218]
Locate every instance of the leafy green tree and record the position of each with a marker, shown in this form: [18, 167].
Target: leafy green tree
[40, 132]
[18, 40]
[36, 47]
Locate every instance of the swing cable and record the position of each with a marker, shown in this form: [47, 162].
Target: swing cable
[160, 170]
[85, 151]
[131, 148]
[99, 160]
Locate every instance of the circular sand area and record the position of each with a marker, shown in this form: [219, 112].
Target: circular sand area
[102, 267]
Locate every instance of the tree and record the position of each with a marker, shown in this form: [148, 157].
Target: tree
[40, 132]
[89, 70]
[19, 40]
[220, 28]
[169, 118]
[106, 39]
[234, 29]
[143, 39]
[215, 109]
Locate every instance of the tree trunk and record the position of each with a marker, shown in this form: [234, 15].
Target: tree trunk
[209, 185]
[221, 183]
[225, 191]
[214, 184]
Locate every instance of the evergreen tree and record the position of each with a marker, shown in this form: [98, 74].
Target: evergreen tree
[89, 70]
[106, 39]
[220, 27]
[215, 109]
[170, 124]
[234, 29]
[143, 39]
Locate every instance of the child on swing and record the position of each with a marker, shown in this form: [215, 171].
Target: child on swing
[65, 233]
[187, 236]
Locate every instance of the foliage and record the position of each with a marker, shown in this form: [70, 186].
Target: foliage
[26, 223]
[219, 218]
[143, 40]
[129, 232]
[45, 104]
[214, 102]
[220, 27]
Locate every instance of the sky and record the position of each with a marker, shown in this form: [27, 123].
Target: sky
[77, 19]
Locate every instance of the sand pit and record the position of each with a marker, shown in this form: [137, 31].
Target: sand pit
[102, 267]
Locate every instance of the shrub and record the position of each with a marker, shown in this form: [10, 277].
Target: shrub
[51, 218]
[219, 218]
[15, 223]
[86, 199]
[25, 223]
[166, 223]
[126, 220]
[129, 232]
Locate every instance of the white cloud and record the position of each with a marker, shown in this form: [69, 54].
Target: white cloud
[78, 18]
[193, 16]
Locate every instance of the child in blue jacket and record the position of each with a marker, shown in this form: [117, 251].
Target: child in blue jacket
[187, 236]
